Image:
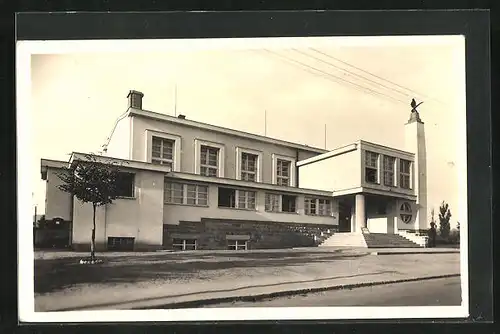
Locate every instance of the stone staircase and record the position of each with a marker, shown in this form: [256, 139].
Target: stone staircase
[382, 240]
[368, 240]
[345, 240]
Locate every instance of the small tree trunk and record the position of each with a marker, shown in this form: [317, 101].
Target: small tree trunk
[92, 242]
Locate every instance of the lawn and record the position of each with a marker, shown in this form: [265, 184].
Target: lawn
[58, 271]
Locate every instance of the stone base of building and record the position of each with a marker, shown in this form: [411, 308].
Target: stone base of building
[101, 247]
[217, 234]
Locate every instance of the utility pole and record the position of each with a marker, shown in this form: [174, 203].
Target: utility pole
[265, 122]
[175, 101]
[325, 136]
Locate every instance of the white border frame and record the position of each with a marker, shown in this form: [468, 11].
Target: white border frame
[259, 154]
[198, 143]
[293, 165]
[177, 147]
[24, 50]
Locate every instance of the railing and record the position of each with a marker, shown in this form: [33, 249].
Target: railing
[418, 238]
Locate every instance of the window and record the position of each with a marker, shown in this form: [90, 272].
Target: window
[404, 173]
[209, 161]
[289, 203]
[237, 244]
[163, 149]
[185, 193]
[324, 207]
[121, 243]
[246, 199]
[281, 203]
[237, 199]
[227, 198]
[310, 206]
[125, 184]
[249, 166]
[371, 167]
[208, 158]
[389, 170]
[406, 212]
[318, 206]
[162, 152]
[184, 244]
[273, 202]
[283, 172]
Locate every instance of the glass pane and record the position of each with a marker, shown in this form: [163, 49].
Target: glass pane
[156, 153]
[283, 181]
[371, 159]
[242, 201]
[212, 171]
[212, 158]
[251, 200]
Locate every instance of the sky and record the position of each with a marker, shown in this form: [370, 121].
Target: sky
[359, 88]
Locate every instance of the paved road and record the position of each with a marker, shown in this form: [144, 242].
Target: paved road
[436, 292]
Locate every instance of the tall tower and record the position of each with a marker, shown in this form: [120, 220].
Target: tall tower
[415, 143]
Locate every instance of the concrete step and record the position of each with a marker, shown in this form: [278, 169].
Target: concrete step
[345, 240]
[380, 240]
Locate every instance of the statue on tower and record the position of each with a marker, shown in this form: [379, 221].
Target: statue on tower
[414, 112]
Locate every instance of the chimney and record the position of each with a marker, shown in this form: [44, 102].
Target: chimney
[135, 99]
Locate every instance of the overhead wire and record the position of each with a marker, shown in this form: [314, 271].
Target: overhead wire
[376, 76]
[329, 76]
[353, 74]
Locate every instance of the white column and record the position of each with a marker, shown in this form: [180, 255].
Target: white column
[360, 213]
[415, 143]
[353, 220]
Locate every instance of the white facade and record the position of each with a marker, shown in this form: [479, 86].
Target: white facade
[185, 171]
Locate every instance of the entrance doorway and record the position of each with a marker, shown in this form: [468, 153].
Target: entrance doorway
[345, 212]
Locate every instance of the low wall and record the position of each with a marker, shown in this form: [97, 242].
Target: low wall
[212, 233]
[51, 238]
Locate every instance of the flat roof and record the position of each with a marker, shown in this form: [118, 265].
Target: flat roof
[248, 184]
[349, 148]
[48, 163]
[220, 129]
[385, 147]
[332, 153]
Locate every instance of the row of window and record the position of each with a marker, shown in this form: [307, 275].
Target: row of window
[388, 168]
[190, 244]
[196, 194]
[209, 162]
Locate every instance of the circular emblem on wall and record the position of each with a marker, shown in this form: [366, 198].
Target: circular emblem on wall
[405, 212]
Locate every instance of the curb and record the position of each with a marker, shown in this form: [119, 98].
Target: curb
[409, 253]
[254, 298]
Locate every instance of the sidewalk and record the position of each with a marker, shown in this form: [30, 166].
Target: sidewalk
[169, 279]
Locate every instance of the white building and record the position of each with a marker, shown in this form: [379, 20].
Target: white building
[190, 185]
